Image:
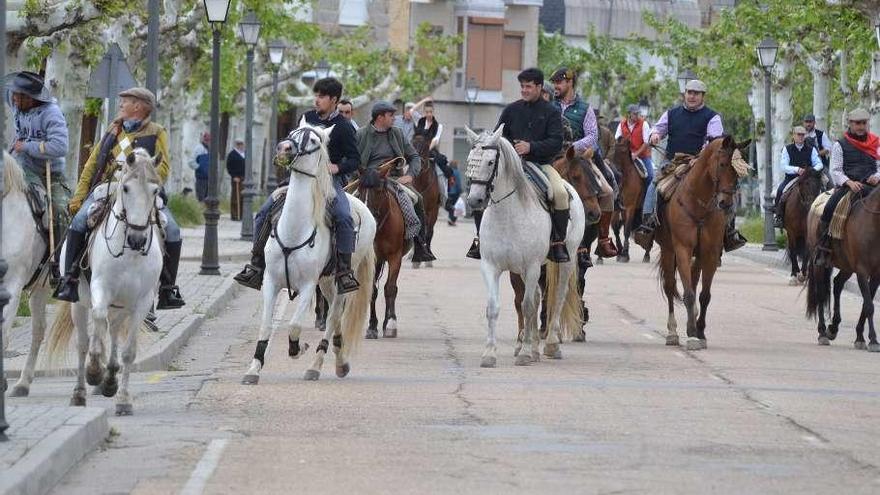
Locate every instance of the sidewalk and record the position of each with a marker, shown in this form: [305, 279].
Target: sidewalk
[778, 260]
[204, 295]
[44, 443]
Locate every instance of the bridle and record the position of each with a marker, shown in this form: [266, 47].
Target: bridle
[301, 148]
[489, 183]
[708, 207]
[122, 217]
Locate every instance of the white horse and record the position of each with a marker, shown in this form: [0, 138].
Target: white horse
[515, 237]
[125, 256]
[23, 250]
[298, 252]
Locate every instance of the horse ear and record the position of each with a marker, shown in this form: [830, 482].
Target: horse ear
[329, 131]
[498, 133]
[302, 122]
[743, 147]
[728, 142]
[471, 135]
[569, 153]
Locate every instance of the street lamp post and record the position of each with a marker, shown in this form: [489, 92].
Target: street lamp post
[683, 78]
[322, 70]
[4, 294]
[472, 88]
[276, 56]
[767, 57]
[216, 11]
[250, 33]
[152, 82]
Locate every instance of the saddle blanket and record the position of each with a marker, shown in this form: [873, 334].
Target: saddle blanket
[671, 174]
[838, 220]
[788, 187]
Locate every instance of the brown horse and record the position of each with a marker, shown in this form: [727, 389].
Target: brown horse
[856, 254]
[390, 245]
[576, 170]
[632, 195]
[691, 235]
[427, 185]
[797, 206]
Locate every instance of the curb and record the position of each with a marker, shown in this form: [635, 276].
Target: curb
[782, 265]
[52, 457]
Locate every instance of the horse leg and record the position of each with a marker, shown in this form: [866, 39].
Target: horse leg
[110, 384]
[867, 311]
[37, 303]
[389, 327]
[708, 274]
[542, 313]
[314, 372]
[270, 292]
[873, 346]
[669, 289]
[80, 317]
[688, 282]
[129, 351]
[802, 254]
[554, 334]
[839, 282]
[321, 307]
[491, 276]
[334, 321]
[519, 289]
[373, 328]
[531, 302]
[428, 238]
[95, 369]
[618, 225]
[793, 260]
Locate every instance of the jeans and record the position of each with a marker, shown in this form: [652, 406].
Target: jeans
[650, 203]
[80, 221]
[341, 210]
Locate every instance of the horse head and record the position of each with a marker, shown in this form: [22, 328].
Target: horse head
[136, 196]
[725, 174]
[810, 185]
[482, 165]
[622, 154]
[304, 150]
[578, 171]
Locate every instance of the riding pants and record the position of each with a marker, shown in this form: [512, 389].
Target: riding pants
[557, 186]
[786, 181]
[649, 170]
[650, 204]
[80, 220]
[60, 198]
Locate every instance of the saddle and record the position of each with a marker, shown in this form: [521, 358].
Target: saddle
[786, 191]
[540, 183]
[672, 173]
[38, 201]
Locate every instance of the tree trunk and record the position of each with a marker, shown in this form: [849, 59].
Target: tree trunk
[782, 115]
[756, 101]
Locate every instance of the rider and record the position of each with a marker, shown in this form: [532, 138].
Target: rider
[40, 140]
[855, 166]
[638, 132]
[131, 129]
[817, 138]
[794, 161]
[343, 152]
[688, 127]
[581, 131]
[381, 142]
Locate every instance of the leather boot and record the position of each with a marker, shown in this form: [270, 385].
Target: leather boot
[68, 286]
[733, 240]
[169, 293]
[823, 247]
[606, 248]
[252, 274]
[345, 281]
[559, 228]
[421, 252]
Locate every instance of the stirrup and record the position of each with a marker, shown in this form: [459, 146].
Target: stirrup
[474, 251]
[251, 276]
[67, 289]
[345, 282]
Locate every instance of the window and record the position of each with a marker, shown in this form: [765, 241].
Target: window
[460, 32]
[485, 41]
[512, 53]
[353, 12]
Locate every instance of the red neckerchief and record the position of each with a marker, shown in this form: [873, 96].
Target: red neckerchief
[868, 146]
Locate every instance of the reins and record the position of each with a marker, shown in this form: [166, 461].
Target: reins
[122, 218]
[490, 182]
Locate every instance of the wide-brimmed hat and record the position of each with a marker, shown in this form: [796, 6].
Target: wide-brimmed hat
[29, 83]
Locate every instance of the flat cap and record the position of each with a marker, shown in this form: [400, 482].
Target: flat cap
[859, 114]
[798, 129]
[381, 107]
[562, 73]
[695, 85]
[142, 94]
[632, 108]
[809, 118]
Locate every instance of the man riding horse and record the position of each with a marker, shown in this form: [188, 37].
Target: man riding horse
[795, 159]
[688, 127]
[380, 142]
[534, 126]
[855, 166]
[635, 129]
[344, 159]
[580, 130]
[132, 129]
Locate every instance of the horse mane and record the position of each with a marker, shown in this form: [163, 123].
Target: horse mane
[510, 165]
[13, 175]
[322, 188]
[143, 166]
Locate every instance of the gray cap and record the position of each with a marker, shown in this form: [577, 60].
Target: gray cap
[809, 118]
[859, 114]
[632, 108]
[798, 129]
[381, 107]
[695, 85]
[142, 94]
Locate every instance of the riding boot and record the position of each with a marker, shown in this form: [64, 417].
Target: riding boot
[605, 247]
[733, 240]
[169, 293]
[421, 252]
[823, 247]
[779, 215]
[559, 228]
[68, 286]
[345, 281]
[252, 274]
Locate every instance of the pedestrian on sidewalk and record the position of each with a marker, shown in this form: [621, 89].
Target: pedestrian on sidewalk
[235, 168]
[201, 164]
[454, 192]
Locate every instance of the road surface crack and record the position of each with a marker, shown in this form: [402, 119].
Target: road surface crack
[470, 417]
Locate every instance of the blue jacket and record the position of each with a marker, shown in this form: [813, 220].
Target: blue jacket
[44, 131]
[456, 188]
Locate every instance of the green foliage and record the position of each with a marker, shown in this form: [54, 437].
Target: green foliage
[93, 107]
[752, 228]
[23, 308]
[186, 210]
[436, 55]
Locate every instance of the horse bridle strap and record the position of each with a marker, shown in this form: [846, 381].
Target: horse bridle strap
[287, 251]
[301, 150]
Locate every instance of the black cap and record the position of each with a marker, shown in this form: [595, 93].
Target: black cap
[809, 118]
[381, 107]
[562, 73]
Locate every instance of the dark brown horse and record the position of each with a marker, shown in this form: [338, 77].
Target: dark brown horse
[797, 206]
[691, 235]
[632, 195]
[576, 170]
[427, 185]
[855, 254]
[390, 245]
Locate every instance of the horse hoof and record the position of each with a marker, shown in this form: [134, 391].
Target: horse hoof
[802, 278]
[873, 347]
[694, 345]
[416, 265]
[581, 336]
[372, 334]
[312, 375]
[523, 359]
[109, 387]
[390, 329]
[703, 344]
[488, 362]
[429, 264]
[622, 259]
[823, 340]
[94, 375]
[123, 410]
[250, 380]
[793, 281]
[97, 390]
[343, 371]
[19, 391]
[78, 401]
[860, 346]
[320, 325]
[553, 351]
[672, 340]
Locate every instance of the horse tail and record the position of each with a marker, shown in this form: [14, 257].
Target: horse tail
[818, 287]
[570, 315]
[357, 306]
[59, 335]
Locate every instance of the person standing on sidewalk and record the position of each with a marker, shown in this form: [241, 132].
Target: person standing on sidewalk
[454, 192]
[201, 164]
[235, 167]
[131, 129]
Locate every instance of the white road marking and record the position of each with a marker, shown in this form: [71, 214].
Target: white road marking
[713, 375]
[205, 468]
[625, 321]
[813, 441]
[680, 354]
[649, 336]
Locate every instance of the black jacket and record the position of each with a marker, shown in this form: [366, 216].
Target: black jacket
[235, 164]
[539, 123]
[342, 147]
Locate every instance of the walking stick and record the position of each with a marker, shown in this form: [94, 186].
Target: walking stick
[51, 209]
